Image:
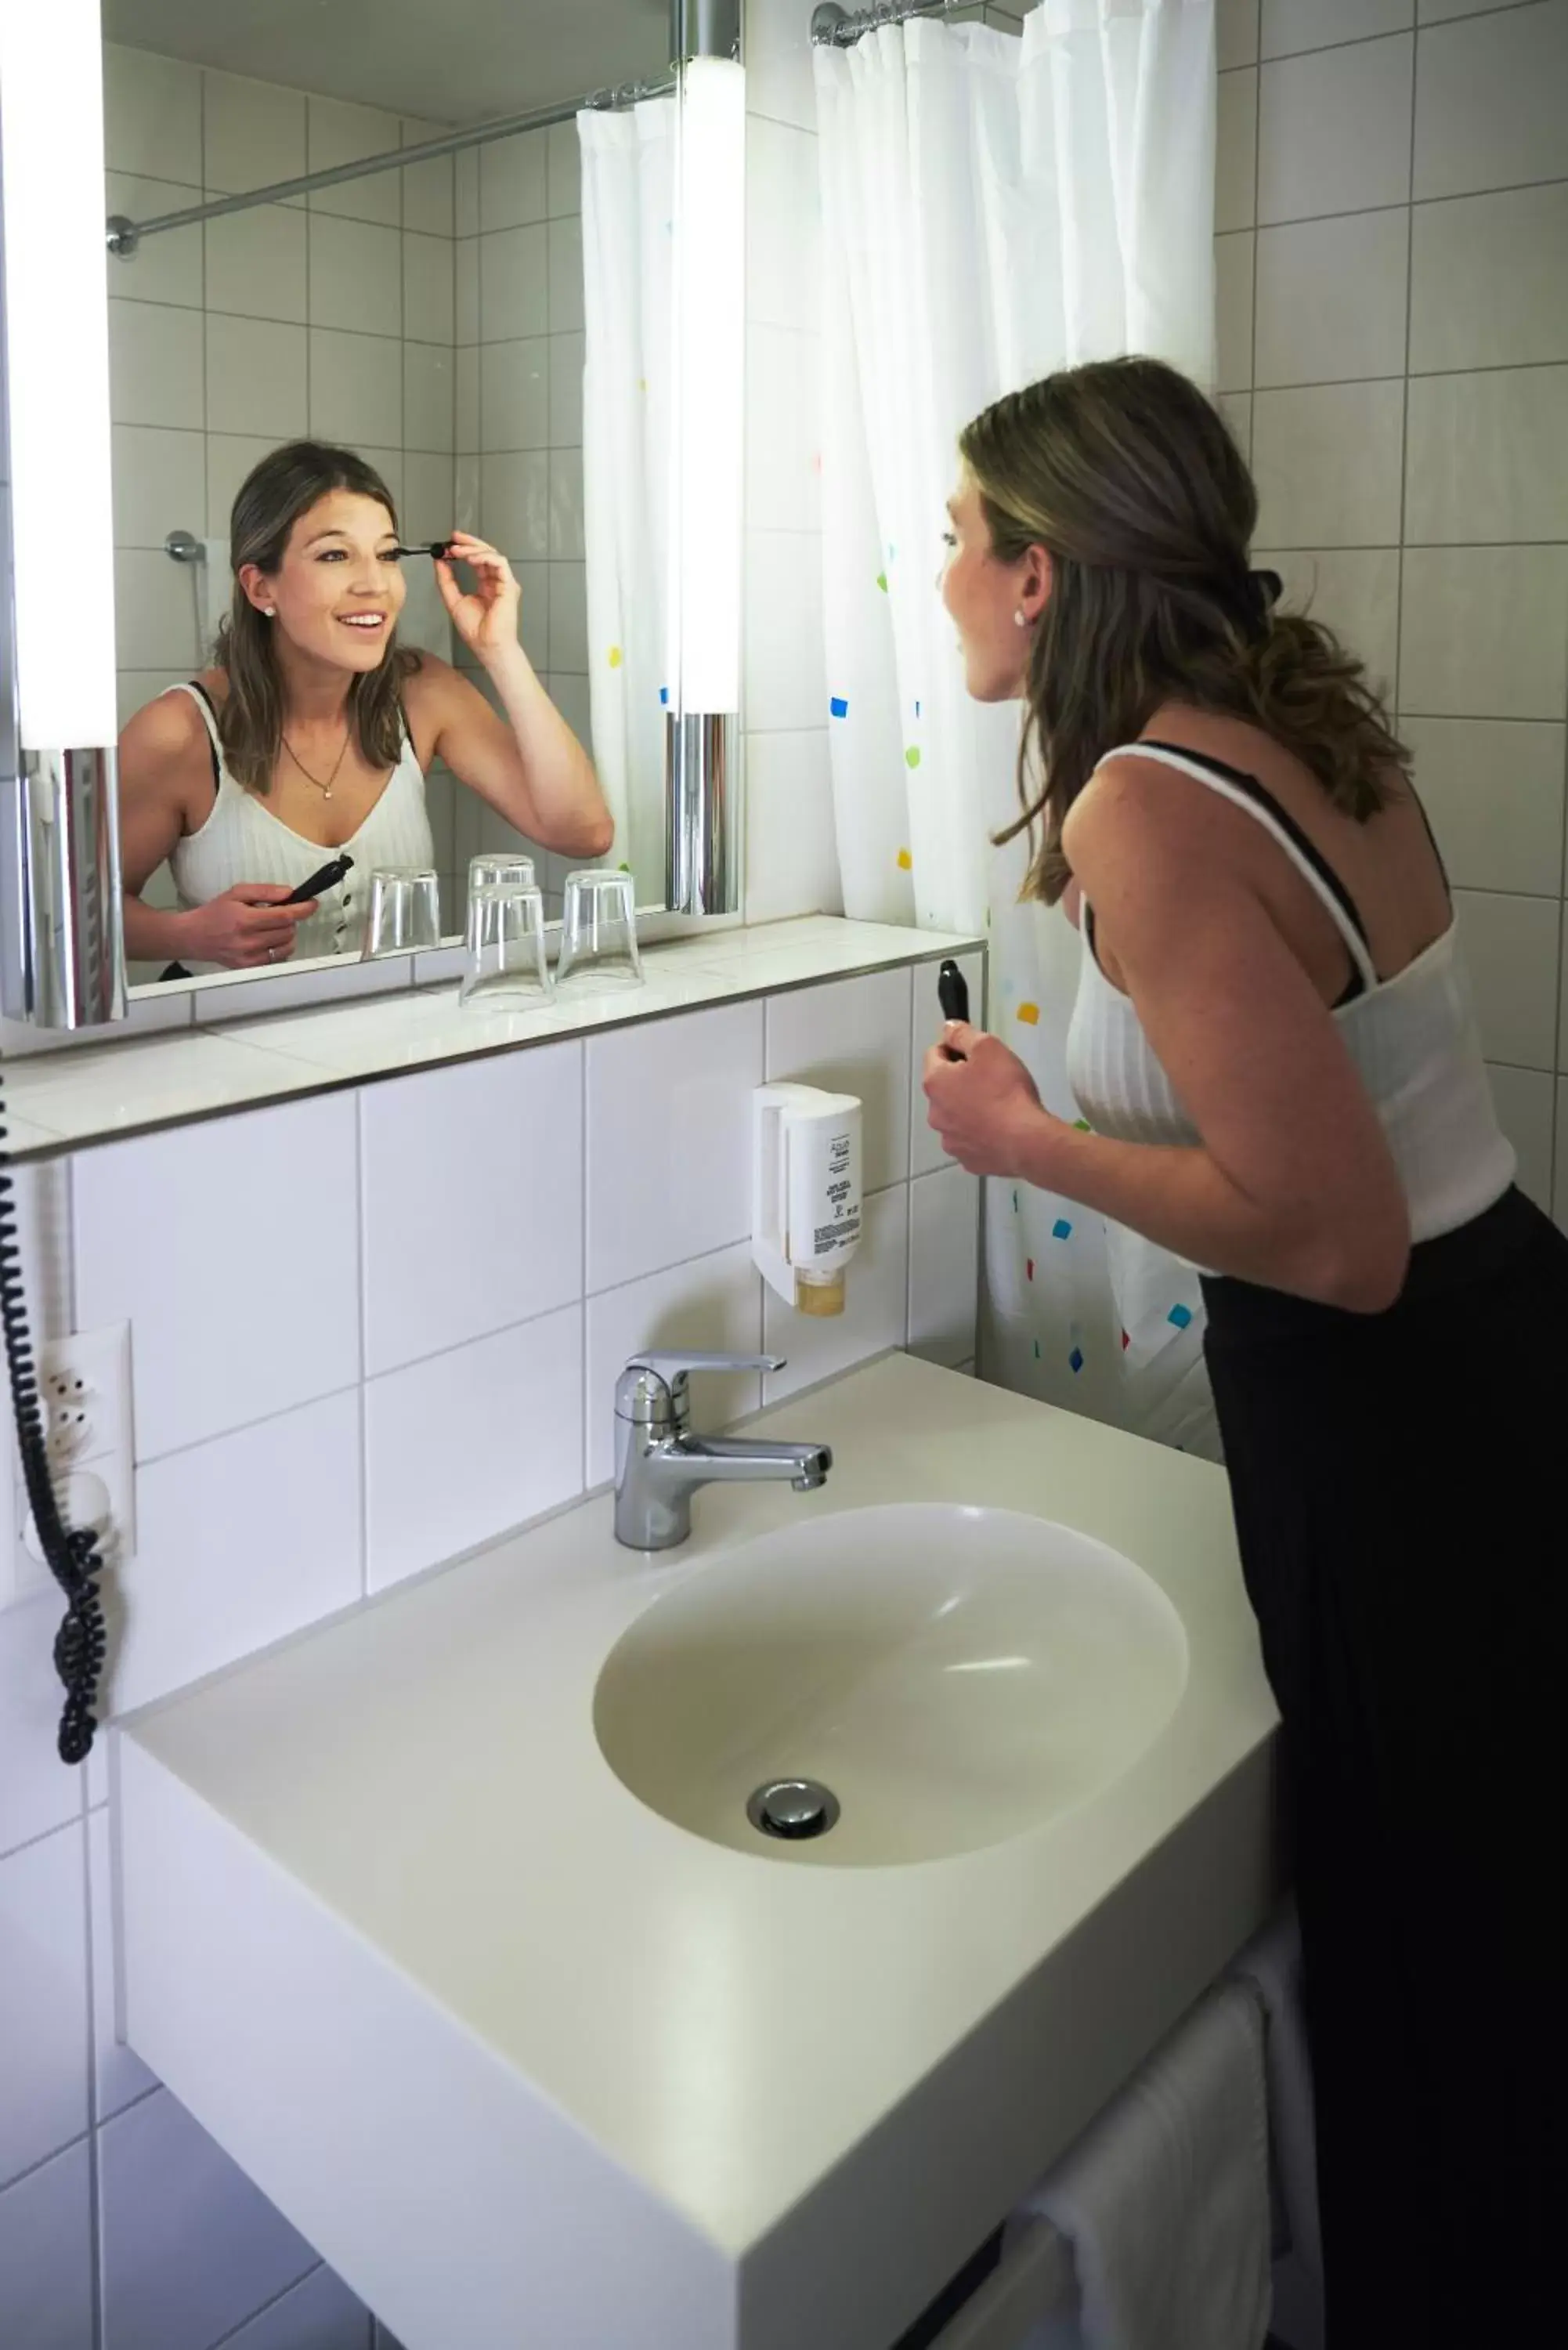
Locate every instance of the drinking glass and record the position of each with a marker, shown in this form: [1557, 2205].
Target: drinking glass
[494, 870]
[404, 910]
[506, 962]
[599, 933]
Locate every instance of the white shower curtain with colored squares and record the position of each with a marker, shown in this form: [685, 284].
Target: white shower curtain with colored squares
[995, 207]
[629, 187]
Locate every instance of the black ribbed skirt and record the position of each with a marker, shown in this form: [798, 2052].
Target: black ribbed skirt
[1400, 1483]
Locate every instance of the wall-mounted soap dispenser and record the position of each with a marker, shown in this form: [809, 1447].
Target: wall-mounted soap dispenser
[805, 1194]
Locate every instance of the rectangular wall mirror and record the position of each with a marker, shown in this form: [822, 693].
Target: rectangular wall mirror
[432, 318]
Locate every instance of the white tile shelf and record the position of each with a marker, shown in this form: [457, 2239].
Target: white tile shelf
[147, 1081]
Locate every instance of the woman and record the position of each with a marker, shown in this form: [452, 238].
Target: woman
[315, 729]
[1273, 1045]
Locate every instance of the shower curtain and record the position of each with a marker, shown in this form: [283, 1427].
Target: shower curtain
[995, 207]
[628, 184]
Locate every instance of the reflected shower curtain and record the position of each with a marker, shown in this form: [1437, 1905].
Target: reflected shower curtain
[628, 182]
[994, 208]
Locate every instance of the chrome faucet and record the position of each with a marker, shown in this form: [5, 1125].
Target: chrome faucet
[659, 1463]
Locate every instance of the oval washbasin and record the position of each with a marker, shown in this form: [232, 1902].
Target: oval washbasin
[952, 1676]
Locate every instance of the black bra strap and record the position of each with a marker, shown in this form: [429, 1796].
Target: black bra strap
[197, 687]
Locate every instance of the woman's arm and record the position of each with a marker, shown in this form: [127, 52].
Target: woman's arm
[528, 765]
[1293, 1185]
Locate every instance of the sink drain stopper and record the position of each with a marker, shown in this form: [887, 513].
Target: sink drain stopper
[794, 1809]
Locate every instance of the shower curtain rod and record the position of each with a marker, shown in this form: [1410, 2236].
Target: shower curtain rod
[833, 27]
[124, 235]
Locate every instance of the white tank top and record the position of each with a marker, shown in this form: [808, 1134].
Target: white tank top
[241, 840]
[1414, 1040]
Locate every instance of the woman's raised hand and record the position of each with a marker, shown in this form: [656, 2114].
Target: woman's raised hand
[486, 618]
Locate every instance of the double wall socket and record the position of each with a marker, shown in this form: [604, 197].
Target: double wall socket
[84, 1391]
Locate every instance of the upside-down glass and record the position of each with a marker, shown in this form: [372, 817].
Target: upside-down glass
[494, 870]
[599, 933]
[404, 912]
[506, 962]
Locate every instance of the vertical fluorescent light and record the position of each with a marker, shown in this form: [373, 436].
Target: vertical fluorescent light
[57, 354]
[709, 367]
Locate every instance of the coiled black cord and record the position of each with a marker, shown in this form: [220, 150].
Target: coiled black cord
[75, 1559]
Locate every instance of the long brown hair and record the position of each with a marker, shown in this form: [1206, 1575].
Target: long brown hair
[285, 485]
[1130, 480]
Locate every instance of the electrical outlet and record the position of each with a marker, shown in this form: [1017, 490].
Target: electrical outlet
[84, 1387]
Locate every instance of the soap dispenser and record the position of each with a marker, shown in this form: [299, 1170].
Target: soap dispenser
[805, 1199]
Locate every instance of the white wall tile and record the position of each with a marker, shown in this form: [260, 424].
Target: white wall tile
[320, 2313]
[564, 169]
[156, 1215]
[779, 82]
[505, 1136]
[564, 257]
[46, 2256]
[168, 267]
[1236, 33]
[357, 387]
[514, 395]
[231, 456]
[428, 289]
[874, 1316]
[429, 191]
[568, 529]
[568, 617]
[783, 227]
[429, 404]
[785, 659]
[465, 427]
[151, 115]
[465, 274]
[338, 134]
[155, 364]
[219, 1570]
[1236, 407]
[191, 2249]
[512, 174]
[514, 504]
[1355, 591]
[1331, 299]
[714, 1305]
[1488, 109]
[463, 1446]
[1291, 27]
[926, 1155]
[1487, 456]
[852, 1037]
[257, 263]
[256, 376]
[792, 858]
[36, 1792]
[1439, 12]
[155, 623]
[1524, 1103]
[255, 133]
[784, 435]
[513, 285]
[1327, 464]
[1334, 131]
[944, 1267]
[133, 689]
[1511, 948]
[465, 192]
[1234, 258]
[1484, 633]
[566, 364]
[159, 484]
[43, 1999]
[1493, 789]
[1488, 284]
[121, 2077]
[426, 509]
[356, 276]
[1236, 150]
[670, 1140]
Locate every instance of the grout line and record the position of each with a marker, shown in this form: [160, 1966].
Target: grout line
[78, 2138]
[1397, 375]
[1405, 415]
[271, 2302]
[1354, 212]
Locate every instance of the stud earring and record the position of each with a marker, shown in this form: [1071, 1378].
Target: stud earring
[269, 611]
[1020, 620]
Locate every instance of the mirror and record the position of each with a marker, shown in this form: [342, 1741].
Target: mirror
[432, 320]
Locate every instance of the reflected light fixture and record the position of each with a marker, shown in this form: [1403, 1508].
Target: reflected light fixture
[61, 958]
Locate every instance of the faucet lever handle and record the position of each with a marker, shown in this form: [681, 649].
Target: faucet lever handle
[675, 1365]
[665, 1404]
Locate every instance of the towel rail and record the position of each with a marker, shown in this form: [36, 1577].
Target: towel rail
[1035, 2280]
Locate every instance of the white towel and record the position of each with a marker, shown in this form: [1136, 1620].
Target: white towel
[1273, 1965]
[1165, 2197]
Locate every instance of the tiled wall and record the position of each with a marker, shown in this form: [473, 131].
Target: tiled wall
[332, 315]
[1392, 273]
[369, 1330]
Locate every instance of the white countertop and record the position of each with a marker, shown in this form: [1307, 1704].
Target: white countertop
[60, 1099]
[823, 2084]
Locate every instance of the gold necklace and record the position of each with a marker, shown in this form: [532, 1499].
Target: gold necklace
[324, 788]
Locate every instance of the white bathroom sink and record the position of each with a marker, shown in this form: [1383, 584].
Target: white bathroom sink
[951, 1676]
